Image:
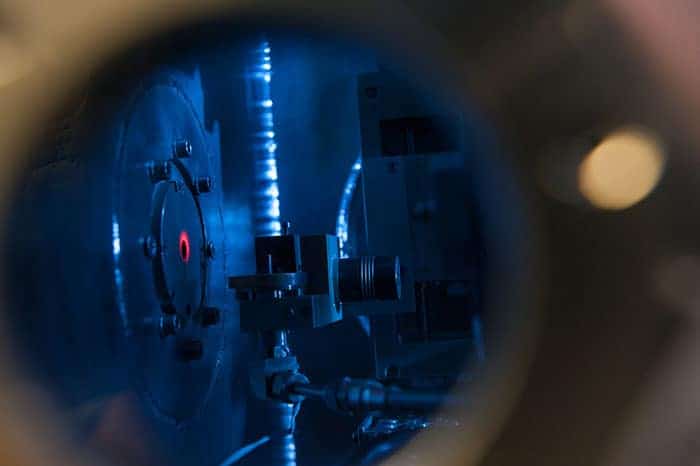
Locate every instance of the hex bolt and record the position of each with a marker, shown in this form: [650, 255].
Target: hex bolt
[182, 149]
[190, 350]
[169, 325]
[209, 316]
[203, 184]
[150, 247]
[158, 170]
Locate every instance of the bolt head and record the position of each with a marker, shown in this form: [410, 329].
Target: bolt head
[169, 325]
[150, 247]
[182, 149]
[204, 184]
[158, 170]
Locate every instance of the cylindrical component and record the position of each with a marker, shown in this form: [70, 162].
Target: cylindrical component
[362, 395]
[276, 421]
[309, 391]
[398, 400]
[169, 325]
[158, 170]
[356, 395]
[367, 278]
[150, 247]
[182, 149]
[275, 344]
[204, 184]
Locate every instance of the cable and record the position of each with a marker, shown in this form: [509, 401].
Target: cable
[245, 451]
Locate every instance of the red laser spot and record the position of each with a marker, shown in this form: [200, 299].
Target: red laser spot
[184, 247]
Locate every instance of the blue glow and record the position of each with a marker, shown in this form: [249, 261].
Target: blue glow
[478, 335]
[118, 278]
[271, 174]
[267, 213]
[267, 163]
[116, 240]
[274, 227]
[341, 227]
[244, 451]
[267, 120]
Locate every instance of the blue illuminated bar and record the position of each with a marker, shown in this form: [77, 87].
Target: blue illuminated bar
[267, 204]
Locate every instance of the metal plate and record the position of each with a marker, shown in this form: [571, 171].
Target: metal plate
[178, 238]
[177, 388]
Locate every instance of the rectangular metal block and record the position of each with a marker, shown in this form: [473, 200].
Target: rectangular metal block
[283, 250]
[294, 312]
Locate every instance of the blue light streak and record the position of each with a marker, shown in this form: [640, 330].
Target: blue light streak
[116, 240]
[267, 205]
[341, 228]
[118, 277]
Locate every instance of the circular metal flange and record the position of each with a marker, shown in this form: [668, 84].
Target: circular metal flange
[166, 269]
[179, 236]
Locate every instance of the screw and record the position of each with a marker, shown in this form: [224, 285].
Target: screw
[182, 149]
[169, 325]
[203, 184]
[209, 316]
[190, 350]
[209, 250]
[158, 170]
[150, 247]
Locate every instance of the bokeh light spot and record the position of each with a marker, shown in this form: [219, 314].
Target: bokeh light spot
[623, 169]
